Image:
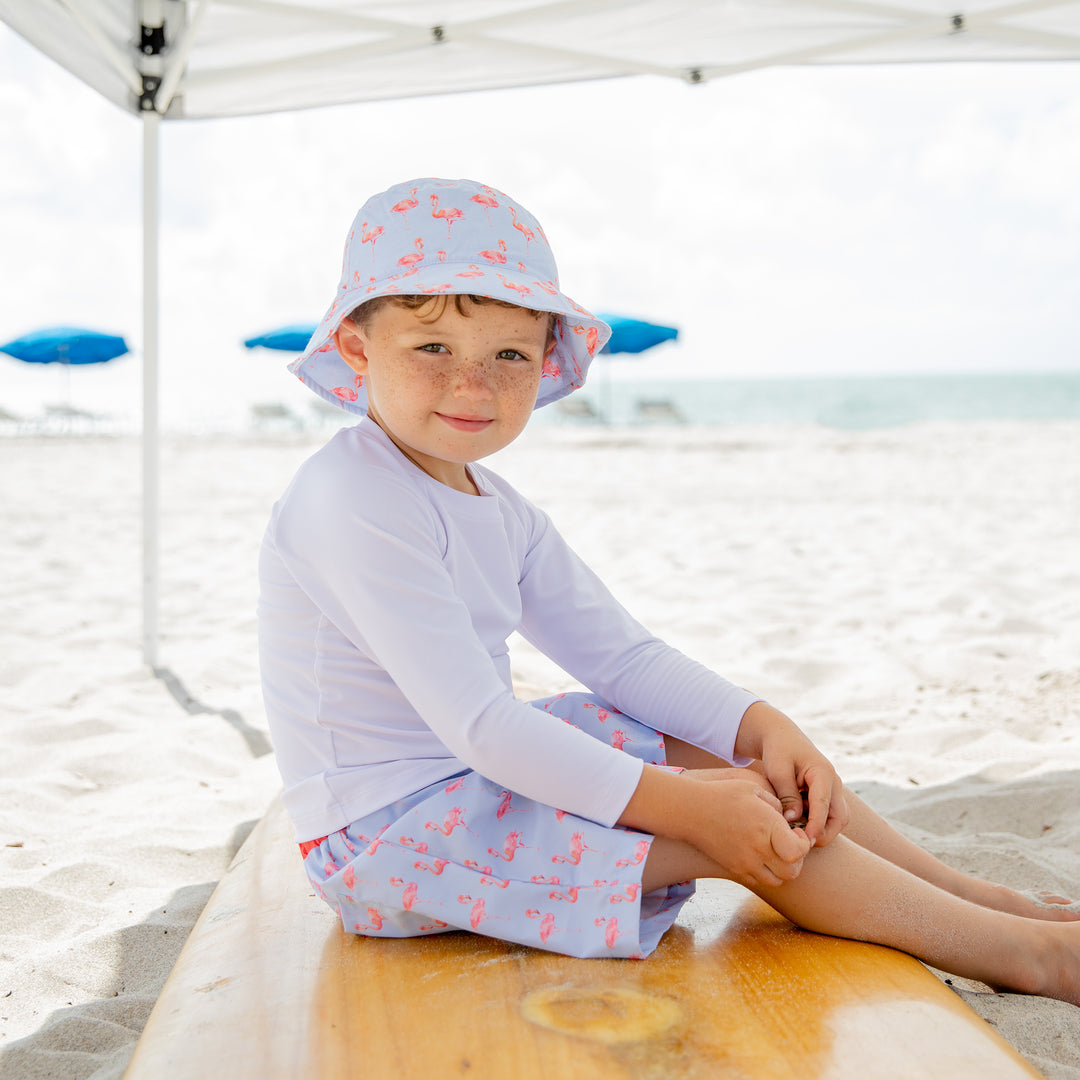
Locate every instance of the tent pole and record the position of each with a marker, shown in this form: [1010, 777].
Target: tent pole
[150, 120]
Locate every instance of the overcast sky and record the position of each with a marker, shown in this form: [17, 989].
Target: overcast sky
[796, 221]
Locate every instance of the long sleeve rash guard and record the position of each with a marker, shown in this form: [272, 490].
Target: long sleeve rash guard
[385, 607]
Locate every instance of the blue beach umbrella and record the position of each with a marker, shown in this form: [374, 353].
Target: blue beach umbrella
[293, 338]
[630, 336]
[65, 345]
[635, 335]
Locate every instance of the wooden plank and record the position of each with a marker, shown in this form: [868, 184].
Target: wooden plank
[269, 986]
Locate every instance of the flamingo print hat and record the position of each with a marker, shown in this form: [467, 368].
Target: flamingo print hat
[449, 236]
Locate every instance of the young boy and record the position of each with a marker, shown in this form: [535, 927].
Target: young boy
[425, 795]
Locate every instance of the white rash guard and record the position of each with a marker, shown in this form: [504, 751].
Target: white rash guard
[385, 607]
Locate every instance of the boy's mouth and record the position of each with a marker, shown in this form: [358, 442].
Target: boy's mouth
[466, 423]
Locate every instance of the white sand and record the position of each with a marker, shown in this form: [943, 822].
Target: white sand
[911, 596]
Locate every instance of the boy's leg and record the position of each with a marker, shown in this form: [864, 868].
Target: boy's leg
[870, 830]
[847, 891]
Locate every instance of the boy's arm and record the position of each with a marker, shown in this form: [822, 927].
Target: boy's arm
[794, 766]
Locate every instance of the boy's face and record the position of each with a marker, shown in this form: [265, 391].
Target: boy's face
[450, 390]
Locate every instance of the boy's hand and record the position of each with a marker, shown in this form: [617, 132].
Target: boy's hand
[739, 824]
[797, 770]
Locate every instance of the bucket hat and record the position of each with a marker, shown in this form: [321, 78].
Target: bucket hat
[449, 236]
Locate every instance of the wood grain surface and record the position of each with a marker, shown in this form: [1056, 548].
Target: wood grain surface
[269, 987]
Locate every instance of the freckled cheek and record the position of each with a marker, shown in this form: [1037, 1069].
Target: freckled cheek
[515, 386]
[419, 381]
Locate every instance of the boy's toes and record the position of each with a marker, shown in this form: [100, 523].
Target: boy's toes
[1053, 906]
[1050, 898]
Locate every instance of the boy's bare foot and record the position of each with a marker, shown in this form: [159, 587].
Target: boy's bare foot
[1063, 969]
[1046, 906]
[1031, 905]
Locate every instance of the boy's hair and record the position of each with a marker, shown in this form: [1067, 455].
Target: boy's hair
[365, 312]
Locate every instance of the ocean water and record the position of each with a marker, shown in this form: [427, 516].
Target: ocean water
[848, 402]
[107, 402]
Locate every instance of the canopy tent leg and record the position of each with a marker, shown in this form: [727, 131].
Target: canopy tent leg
[150, 553]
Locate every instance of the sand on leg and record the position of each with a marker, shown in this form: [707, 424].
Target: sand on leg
[870, 830]
[847, 891]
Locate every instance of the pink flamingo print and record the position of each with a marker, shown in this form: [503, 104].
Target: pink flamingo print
[487, 202]
[510, 847]
[570, 896]
[452, 821]
[408, 897]
[630, 892]
[523, 229]
[547, 922]
[449, 214]
[374, 845]
[505, 807]
[497, 257]
[375, 920]
[405, 205]
[477, 914]
[612, 933]
[641, 849]
[521, 290]
[619, 739]
[592, 336]
[437, 869]
[413, 257]
[371, 237]
[577, 848]
[420, 848]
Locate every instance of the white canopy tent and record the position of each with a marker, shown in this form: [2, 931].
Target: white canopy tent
[176, 59]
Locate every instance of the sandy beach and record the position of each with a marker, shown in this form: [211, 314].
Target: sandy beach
[910, 595]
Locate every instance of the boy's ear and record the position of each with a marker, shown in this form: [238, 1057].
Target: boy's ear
[350, 346]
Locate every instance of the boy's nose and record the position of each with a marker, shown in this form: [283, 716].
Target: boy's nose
[473, 380]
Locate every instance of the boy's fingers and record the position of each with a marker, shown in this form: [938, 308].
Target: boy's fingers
[818, 802]
[790, 796]
[790, 845]
[770, 798]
